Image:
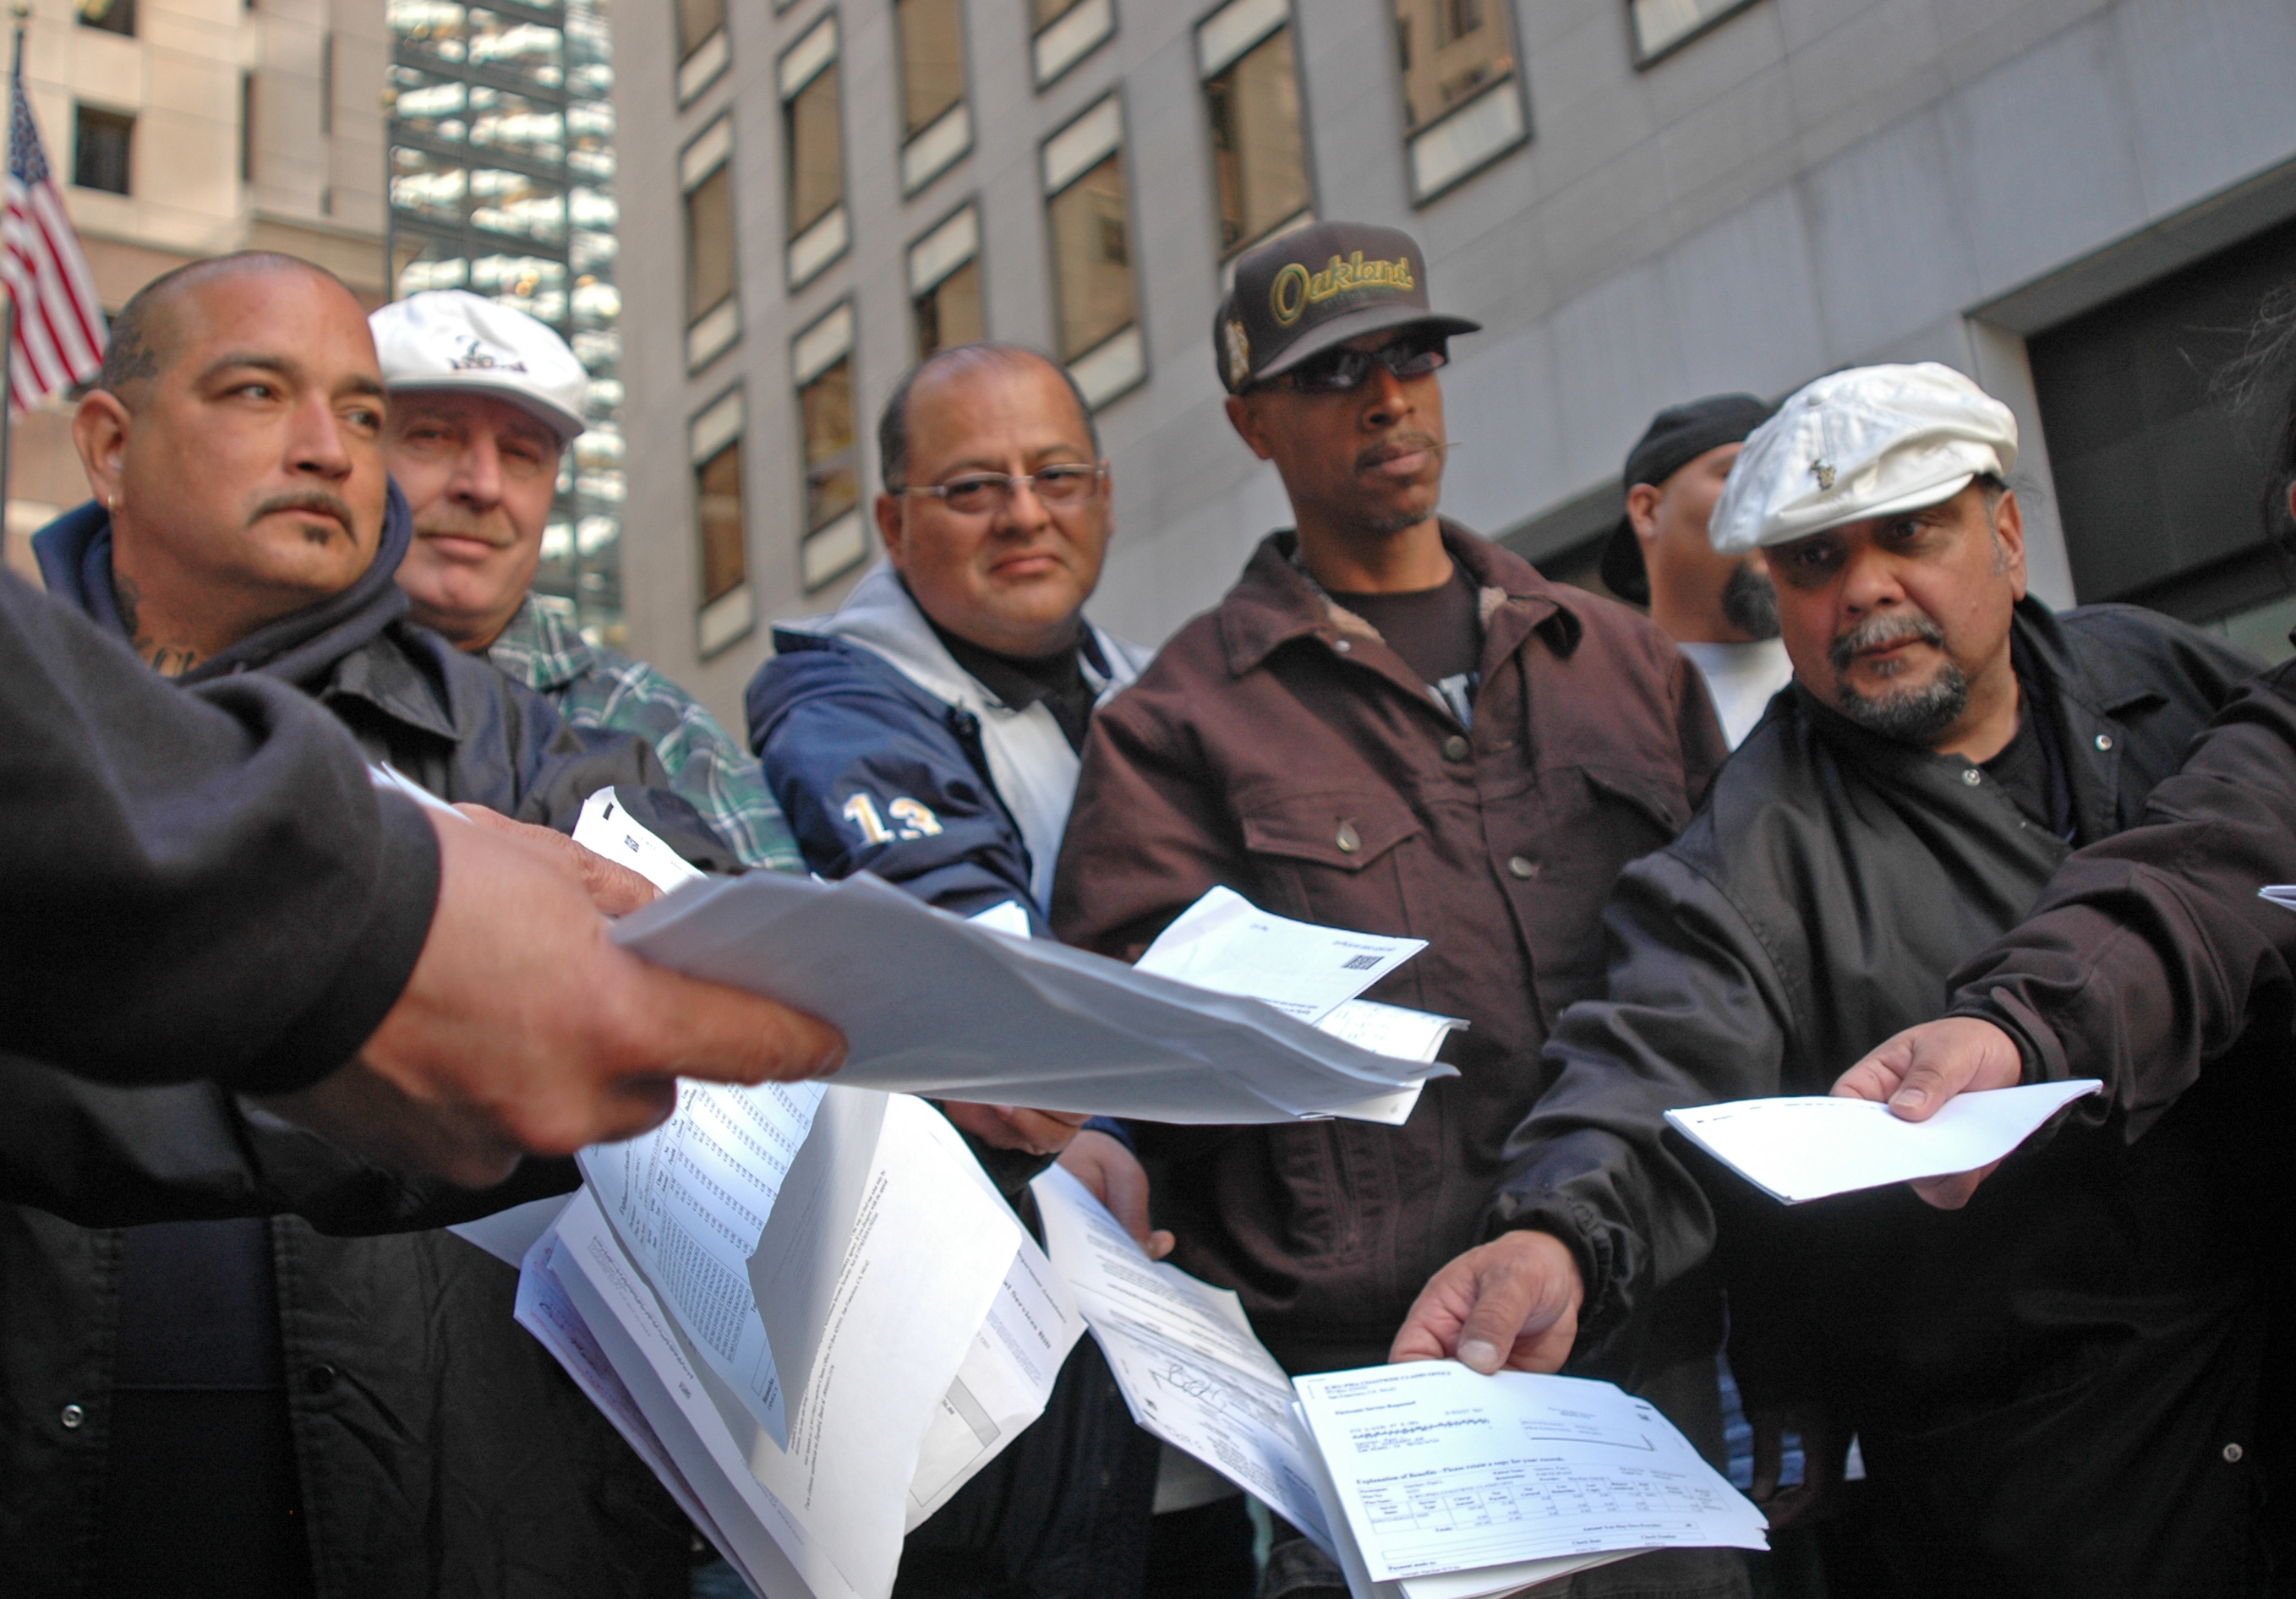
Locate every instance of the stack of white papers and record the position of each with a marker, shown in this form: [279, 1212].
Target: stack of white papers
[1808, 1147]
[1424, 1481]
[931, 1004]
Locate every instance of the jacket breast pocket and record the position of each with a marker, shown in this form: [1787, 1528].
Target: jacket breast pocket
[1613, 817]
[1335, 855]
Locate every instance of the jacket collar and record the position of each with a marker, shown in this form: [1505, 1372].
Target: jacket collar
[75, 556]
[1276, 602]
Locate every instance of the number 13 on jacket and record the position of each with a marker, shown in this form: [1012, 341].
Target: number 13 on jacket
[913, 819]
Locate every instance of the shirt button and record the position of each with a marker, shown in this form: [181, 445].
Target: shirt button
[2232, 1453]
[1349, 839]
[1523, 867]
[1341, 645]
[2104, 740]
[73, 1415]
[1973, 778]
[320, 1378]
[1456, 748]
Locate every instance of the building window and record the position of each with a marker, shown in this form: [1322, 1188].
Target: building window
[814, 142]
[945, 284]
[821, 365]
[713, 317]
[112, 16]
[247, 128]
[1463, 103]
[703, 49]
[935, 126]
[99, 149]
[1662, 27]
[1091, 253]
[1251, 89]
[1067, 31]
[714, 447]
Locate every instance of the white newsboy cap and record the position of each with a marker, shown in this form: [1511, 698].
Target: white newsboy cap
[451, 339]
[1872, 441]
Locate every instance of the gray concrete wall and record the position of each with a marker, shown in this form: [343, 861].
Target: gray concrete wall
[1814, 184]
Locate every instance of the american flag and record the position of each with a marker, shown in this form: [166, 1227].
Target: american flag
[59, 340]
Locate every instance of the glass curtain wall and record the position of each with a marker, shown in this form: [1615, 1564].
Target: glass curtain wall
[502, 171]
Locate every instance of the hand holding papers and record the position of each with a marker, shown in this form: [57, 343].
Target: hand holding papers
[930, 1005]
[1807, 1148]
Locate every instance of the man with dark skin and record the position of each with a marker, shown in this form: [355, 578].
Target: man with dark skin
[2046, 1389]
[1389, 725]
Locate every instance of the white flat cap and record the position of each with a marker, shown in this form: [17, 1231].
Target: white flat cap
[1872, 441]
[451, 339]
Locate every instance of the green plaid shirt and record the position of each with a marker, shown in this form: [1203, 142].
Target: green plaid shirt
[597, 687]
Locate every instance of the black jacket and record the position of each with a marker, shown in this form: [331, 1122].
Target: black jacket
[438, 1449]
[2044, 1383]
[200, 884]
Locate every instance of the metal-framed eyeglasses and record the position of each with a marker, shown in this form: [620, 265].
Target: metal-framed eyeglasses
[1060, 485]
[1338, 371]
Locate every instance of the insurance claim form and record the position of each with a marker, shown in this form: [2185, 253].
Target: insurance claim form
[1184, 1354]
[1439, 1469]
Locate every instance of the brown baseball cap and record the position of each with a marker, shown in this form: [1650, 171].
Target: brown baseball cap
[1308, 291]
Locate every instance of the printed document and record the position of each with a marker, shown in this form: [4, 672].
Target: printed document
[1184, 1354]
[931, 1004]
[2282, 894]
[605, 829]
[1225, 943]
[690, 1202]
[1810, 1147]
[1438, 1469]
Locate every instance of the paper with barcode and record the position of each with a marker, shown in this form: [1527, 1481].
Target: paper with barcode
[1226, 943]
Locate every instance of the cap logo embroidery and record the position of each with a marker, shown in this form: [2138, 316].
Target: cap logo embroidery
[1295, 288]
[1239, 354]
[1823, 471]
[474, 360]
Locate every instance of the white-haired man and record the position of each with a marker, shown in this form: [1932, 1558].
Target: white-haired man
[2052, 1387]
[484, 400]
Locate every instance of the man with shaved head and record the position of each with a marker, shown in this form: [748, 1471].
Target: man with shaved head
[928, 731]
[252, 1407]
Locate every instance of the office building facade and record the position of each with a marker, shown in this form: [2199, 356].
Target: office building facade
[2077, 201]
[184, 128]
[502, 166]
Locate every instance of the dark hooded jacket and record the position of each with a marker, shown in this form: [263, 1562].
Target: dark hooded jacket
[2056, 1388]
[430, 1446]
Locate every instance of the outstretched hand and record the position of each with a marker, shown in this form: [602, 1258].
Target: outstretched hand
[1824, 1454]
[1118, 1180]
[1916, 1072]
[1512, 1303]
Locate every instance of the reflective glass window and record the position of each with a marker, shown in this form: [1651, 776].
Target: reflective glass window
[718, 507]
[709, 243]
[1659, 25]
[817, 150]
[425, 103]
[825, 405]
[512, 122]
[1258, 153]
[112, 16]
[419, 263]
[1450, 50]
[512, 44]
[439, 26]
[932, 60]
[533, 284]
[697, 19]
[949, 312]
[512, 203]
[432, 186]
[1092, 248]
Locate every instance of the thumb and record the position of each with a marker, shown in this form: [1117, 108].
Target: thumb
[1506, 1306]
[685, 1025]
[1952, 1056]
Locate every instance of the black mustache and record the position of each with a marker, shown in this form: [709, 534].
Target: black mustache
[1413, 441]
[309, 499]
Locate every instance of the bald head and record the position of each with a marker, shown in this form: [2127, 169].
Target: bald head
[893, 428]
[147, 332]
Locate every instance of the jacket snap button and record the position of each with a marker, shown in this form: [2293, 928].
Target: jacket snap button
[1973, 778]
[1349, 839]
[1456, 748]
[1341, 645]
[2104, 740]
[320, 1378]
[1523, 867]
[2232, 1453]
[73, 1415]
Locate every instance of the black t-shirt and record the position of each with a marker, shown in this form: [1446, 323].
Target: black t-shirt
[1021, 681]
[2028, 771]
[1437, 631]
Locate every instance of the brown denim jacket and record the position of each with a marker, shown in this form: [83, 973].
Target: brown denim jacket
[1279, 747]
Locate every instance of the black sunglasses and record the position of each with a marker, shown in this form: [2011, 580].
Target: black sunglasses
[1337, 371]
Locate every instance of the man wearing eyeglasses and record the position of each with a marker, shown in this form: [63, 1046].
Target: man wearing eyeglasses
[929, 732]
[1392, 725]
